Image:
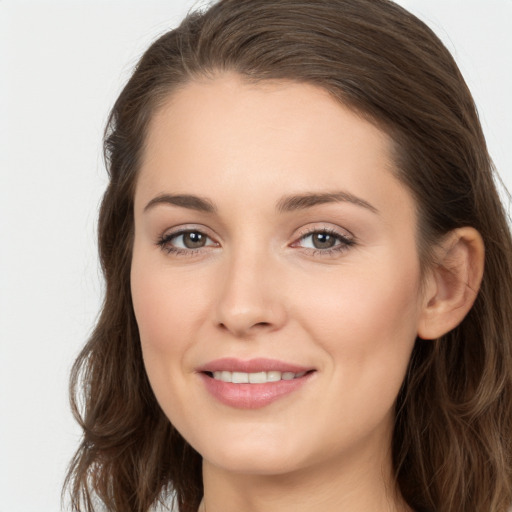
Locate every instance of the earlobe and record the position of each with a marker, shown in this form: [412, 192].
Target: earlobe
[453, 282]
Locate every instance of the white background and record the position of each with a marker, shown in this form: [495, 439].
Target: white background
[61, 66]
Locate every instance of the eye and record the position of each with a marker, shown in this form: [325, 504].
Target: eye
[185, 241]
[189, 240]
[324, 241]
[320, 240]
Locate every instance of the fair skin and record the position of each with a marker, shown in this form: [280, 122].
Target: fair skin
[269, 224]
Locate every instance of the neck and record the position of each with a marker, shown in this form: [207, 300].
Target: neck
[334, 487]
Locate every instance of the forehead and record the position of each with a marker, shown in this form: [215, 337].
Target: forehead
[230, 136]
[231, 105]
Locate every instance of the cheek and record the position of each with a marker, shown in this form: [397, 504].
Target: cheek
[366, 322]
[366, 325]
[167, 307]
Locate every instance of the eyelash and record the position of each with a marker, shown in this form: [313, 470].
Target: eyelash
[343, 243]
[164, 242]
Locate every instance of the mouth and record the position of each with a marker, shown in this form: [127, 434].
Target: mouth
[256, 377]
[252, 384]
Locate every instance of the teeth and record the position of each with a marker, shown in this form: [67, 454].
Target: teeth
[240, 378]
[255, 378]
[273, 376]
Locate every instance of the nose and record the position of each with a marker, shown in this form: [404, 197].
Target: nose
[251, 299]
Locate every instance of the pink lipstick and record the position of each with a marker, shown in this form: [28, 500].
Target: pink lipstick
[254, 383]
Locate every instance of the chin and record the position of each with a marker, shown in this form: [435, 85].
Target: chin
[254, 464]
[256, 457]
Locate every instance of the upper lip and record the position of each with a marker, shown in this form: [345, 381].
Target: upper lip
[231, 364]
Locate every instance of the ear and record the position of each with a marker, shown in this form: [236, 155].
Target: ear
[453, 283]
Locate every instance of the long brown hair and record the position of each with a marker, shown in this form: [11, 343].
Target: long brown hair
[452, 439]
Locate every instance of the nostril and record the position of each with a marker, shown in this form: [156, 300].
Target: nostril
[244, 329]
[262, 324]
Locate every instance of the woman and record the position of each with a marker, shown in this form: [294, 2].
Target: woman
[308, 273]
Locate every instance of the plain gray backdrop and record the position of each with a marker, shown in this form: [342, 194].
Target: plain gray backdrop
[61, 66]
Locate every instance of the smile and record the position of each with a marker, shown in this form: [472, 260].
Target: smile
[255, 378]
[253, 384]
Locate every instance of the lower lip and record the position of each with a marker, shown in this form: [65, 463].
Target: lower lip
[252, 396]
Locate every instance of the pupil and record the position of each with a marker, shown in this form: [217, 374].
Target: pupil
[323, 241]
[193, 240]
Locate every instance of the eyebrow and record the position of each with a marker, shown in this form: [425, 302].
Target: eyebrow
[302, 201]
[184, 200]
[286, 204]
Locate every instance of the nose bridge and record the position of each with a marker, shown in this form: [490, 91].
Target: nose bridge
[250, 298]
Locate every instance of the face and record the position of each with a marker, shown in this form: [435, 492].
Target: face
[275, 275]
